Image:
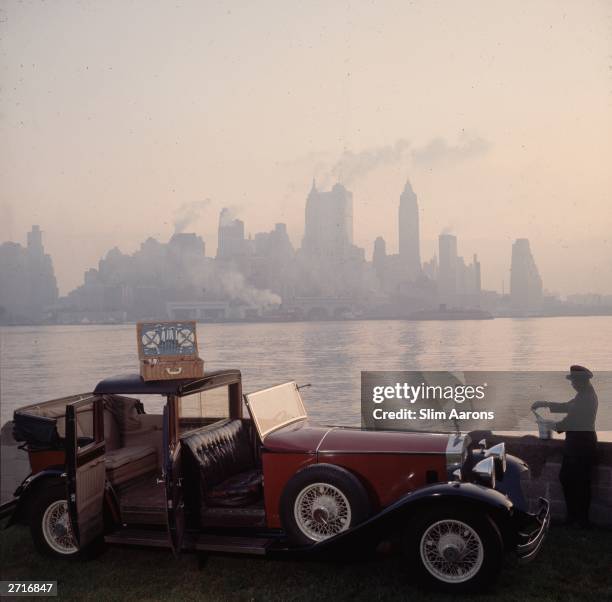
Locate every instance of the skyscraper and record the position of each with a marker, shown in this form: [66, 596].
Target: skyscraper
[27, 280]
[231, 244]
[328, 228]
[43, 286]
[330, 264]
[35, 246]
[447, 270]
[379, 259]
[477, 276]
[525, 280]
[187, 244]
[409, 240]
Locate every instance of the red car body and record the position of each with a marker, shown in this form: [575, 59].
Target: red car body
[390, 464]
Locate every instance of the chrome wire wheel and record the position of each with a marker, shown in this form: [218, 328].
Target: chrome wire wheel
[56, 528]
[451, 551]
[321, 511]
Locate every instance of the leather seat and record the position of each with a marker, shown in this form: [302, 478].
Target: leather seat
[222, 459]
[128, 463]
[243, 489]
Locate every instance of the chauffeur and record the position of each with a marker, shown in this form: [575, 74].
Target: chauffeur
[580, 449]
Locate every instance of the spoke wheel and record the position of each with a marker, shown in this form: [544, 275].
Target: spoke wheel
[321, 511]
[322, 501]
[56, 528]
[451, 551]
[453, 548]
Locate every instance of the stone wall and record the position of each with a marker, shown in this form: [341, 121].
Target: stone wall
[544, 458]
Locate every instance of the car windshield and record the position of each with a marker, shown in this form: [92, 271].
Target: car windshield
[275, 407]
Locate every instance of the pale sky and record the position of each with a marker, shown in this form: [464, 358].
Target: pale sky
[115, 114]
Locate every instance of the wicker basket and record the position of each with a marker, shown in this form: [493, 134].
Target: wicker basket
[168, 350]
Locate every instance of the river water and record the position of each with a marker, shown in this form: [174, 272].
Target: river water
[40, 363]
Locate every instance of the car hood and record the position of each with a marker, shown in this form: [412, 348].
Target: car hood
[303, 437]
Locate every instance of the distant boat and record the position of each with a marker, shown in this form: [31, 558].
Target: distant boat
[444, 313]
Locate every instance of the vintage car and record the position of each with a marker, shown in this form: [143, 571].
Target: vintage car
[216, 472]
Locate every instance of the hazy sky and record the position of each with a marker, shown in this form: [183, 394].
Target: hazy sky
[115, 114]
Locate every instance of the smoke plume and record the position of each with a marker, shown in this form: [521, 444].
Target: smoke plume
[352, 166]
[439, 152]
[225, 283]
[235, 287]
[227, 215]
[188, 213]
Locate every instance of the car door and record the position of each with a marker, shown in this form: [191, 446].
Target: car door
[173, 476]
[85, 472]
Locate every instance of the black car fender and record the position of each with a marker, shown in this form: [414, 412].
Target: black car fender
[510, 482]
[471, 495]
[28, 487]
[392, 520]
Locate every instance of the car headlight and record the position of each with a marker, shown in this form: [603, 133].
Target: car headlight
[456, 455]
[485, 471]
[498, 453]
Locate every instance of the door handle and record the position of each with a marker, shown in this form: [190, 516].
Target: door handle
[159, 481]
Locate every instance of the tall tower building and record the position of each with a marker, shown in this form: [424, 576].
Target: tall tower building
[35, 246]
[328, 229]
[187, 244]
[525, 280]
[477, 275]
[447, 270]
[28, 288]
[231, 244]
[379, 258]
[409, 240]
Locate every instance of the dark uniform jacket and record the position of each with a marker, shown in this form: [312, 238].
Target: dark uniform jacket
[579, 424]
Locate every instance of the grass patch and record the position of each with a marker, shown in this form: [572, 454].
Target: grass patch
[574, 565]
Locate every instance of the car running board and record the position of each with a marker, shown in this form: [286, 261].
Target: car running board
[232, 545]
[139, 537]
[223, 544]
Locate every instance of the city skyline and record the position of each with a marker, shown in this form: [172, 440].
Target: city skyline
[191, 214]
[497, 278]
[265, 277]
[500, 116]
[232, 234]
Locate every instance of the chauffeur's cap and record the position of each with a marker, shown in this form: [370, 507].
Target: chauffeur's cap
[579, 373]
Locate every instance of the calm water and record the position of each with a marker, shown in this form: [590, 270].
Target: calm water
[40, 363]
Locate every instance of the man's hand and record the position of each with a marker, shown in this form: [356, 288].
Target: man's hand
[539, 404]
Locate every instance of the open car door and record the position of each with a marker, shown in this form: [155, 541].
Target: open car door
[85, 472]
[173, 476]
